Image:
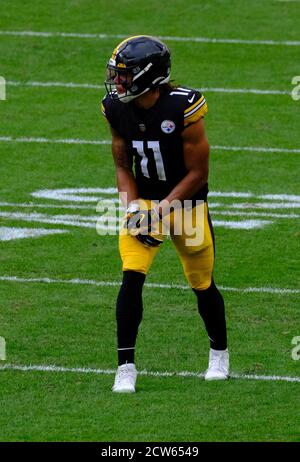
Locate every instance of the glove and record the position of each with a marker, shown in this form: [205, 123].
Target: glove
[141, 224]
[149, 240]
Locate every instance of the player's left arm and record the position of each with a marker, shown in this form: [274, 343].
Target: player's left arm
[196, 159]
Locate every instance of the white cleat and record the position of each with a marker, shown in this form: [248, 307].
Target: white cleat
[218, 366]
[125, 379]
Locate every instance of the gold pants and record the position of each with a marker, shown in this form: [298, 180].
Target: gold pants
[194, 246]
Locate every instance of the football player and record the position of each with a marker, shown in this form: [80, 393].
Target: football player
[161, 154]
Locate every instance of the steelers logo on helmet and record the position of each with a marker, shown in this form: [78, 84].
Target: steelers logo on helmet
[137, 65]
[168, 126]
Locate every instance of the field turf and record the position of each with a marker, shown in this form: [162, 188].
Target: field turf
[69, 321]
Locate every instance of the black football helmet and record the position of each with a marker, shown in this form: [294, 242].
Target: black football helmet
[137, 64]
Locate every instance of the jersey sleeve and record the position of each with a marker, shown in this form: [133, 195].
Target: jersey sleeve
[107, 110]
[195, 109]
[103, 108]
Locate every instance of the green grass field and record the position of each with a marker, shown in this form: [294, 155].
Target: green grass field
[69, 321]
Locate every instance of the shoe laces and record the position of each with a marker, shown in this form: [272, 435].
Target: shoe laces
[217, 362]
[125, 372]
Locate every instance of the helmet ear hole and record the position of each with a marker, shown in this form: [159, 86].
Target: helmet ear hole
[146, 59]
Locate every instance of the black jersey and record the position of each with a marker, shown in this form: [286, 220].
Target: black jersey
[153, 138]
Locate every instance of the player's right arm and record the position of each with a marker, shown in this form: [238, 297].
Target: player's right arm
[125, 179]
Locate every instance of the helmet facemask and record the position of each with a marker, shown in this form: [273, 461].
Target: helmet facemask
[119, 79]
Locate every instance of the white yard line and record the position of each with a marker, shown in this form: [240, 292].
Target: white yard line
[267, 205]
[47, 206]
[91, 282]
[67, 220]
[254, 91]
[10, 234]
[15, 83]
[89, 370]
[230, 213]
[78, 195]
[254, 149]
[92, 86]
[25, 139]
[243, 224]
[171, 38]
[102, 222]
[108, 142]
[227, 210]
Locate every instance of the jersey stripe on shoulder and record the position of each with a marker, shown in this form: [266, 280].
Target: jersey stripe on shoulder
[182, 93]
[103, 109]
[195, 111]
[194, 106]
[184, 89]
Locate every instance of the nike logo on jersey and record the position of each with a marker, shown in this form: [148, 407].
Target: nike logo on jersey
[191, 99]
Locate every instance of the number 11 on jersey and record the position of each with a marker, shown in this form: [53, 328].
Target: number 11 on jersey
[154, 146]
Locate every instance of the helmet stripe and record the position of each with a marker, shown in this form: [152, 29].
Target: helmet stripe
[113, 56]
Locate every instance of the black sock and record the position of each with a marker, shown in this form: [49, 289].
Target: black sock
[129, 314]
[211, 309]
